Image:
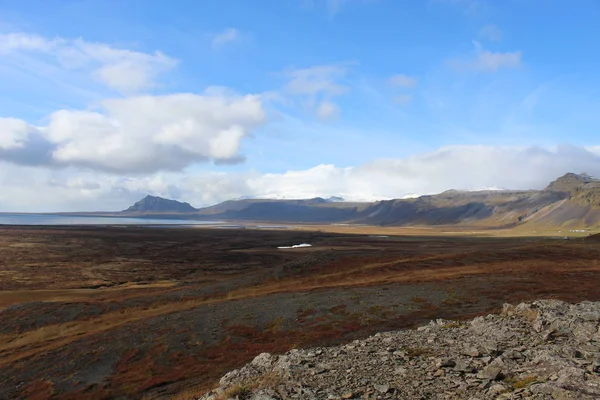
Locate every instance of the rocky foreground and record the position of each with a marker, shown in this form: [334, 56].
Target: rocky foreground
[539, 350]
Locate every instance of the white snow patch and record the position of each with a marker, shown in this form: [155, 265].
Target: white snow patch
[304, 195]
[411, 196]
[487, 188]
[295, 246]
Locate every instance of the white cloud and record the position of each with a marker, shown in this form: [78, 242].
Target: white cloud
[491, 32]
[593, 149]
[316, 86]
[454, 167]
[335, 6]
[129, 76]
[315, 80]
[227, 36]
[472, 8]
[123, 70]
[401, 80]
[403, 99]
[488, 61]
[462, 167]
[13, 133]
[141, 134]
[73, 189]
[21, 41]
[332, 7]
[328, 110]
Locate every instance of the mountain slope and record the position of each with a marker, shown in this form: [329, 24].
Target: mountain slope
[580, 207]
[315, 210]
[572, 182]
[492, 208]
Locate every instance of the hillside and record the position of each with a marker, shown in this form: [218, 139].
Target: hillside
[492, 208]
[158, 205]
[539, 350]
[570, 182]
[571, 201]
[315, 210]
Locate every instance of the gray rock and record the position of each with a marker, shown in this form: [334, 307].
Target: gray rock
[513, 354]
[382, 388]
[490, 372]
[265, 394]
[463, 366]
[496, 389]
[471, 351]
[446, 363]
[263, 361]
[441, 359]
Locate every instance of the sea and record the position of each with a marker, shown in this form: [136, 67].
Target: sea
[57, 219]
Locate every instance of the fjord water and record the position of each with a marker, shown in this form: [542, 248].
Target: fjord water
[56, 219]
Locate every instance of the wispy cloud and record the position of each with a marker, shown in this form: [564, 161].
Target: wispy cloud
[229, 35]
[491, 32]
[487, 61]
[21, 41]
[327, 110]
[318, 85]
[401, 80]
[316, 79]
[120, 69]
[490, 61]
[334, 7]
[403, 99]
[471, 8]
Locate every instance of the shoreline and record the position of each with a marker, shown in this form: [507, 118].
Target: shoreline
[375, 231]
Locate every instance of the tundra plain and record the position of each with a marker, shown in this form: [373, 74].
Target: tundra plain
[148, 313]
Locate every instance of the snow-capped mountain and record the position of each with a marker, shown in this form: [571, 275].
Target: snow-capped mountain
[337, 198]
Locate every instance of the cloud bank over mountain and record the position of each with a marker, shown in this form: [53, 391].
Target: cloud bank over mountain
[462, 167]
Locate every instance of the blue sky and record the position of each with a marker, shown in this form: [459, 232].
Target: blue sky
[102, 101]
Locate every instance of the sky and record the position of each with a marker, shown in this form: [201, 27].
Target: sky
[105, 101]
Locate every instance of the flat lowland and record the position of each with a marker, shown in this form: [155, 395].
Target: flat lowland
[131, 313]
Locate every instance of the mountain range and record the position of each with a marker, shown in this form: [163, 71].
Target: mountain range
[571, 201]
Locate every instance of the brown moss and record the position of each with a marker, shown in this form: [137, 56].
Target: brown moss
[520, 383]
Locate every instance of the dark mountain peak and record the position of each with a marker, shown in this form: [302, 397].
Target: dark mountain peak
[570, 181]
[155, 204]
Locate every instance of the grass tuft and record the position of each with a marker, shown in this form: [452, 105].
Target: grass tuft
[521, 383]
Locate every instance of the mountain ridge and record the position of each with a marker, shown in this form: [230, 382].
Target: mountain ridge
[570, 201]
